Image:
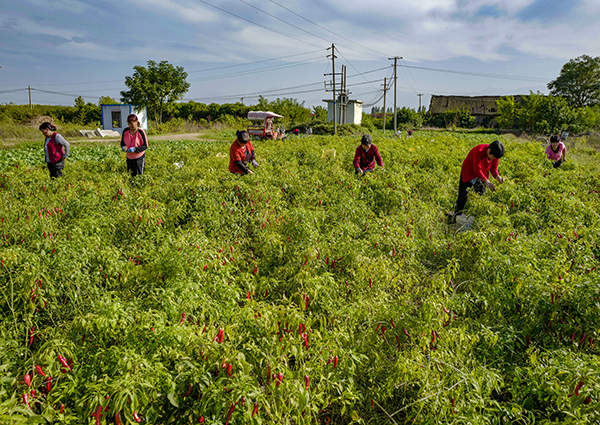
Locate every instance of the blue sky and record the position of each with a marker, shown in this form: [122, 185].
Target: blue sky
[242, 48]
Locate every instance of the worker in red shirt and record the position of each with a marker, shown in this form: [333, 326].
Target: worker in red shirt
[476, 168]
[240, 153]
[366, 155]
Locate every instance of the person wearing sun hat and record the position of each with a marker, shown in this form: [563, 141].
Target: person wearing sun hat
[135, 142]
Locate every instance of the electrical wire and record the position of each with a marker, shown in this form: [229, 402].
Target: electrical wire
[476, 74]
[255, 71]
[285, 22]
[326, 29]
[255, 62]
[254, 23]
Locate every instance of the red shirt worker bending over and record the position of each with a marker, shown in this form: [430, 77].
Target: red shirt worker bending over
[476, 167]
[366, 155]
[240, 153]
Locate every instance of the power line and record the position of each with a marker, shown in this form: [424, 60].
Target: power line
[476, 74]
[254, 23]
[285, 22]
[252, 63]
[325, 29]
[255, 71]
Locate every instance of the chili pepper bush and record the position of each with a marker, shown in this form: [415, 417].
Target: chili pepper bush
[302, 293]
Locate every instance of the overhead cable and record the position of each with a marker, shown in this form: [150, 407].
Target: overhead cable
[254, 23]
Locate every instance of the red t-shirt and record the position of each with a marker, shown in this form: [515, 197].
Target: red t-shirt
[477, 164]
[239, 153]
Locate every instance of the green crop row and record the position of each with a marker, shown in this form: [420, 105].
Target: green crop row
[302, 293]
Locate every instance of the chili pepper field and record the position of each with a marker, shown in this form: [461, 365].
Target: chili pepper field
[301, 294]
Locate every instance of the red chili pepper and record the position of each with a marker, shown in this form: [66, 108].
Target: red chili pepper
[527, 341]
[587, 400]
[27, 380]
[137, 417]
[392, 322]
[255, 410]
[335, 362]
[228, 369]
[189, 391]
[306, 382]
[255, 270]
[33, 393]
[62, 407]
[97, 415]
[231, 409]
[118, 418]
[220, 336]
[31, 335]
[573, 337]
[433, 337]
[582, 338]
[398, 341]
[26, 399]
[201, 420]
[63, 362]
[182, 318]
[405, 332]
[48, 384]
[591, 342]
[372, 403]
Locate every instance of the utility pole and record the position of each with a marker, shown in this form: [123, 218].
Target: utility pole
[420, 94]
[333, 86]
[395, 89]
[30, 105]
[344, 97]
[384, 96]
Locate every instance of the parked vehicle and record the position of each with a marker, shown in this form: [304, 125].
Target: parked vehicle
[265, 130]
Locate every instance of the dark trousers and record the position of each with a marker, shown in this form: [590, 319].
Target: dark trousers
[56, 169]
[479, 187]
[136, 166]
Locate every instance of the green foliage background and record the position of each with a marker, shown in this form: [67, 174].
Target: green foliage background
[495, 325]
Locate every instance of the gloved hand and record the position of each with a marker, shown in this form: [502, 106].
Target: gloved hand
[123, 148]
[131, 149]
[254, 163]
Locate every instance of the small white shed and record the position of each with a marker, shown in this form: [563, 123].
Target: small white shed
[350, 113]
[114, 117]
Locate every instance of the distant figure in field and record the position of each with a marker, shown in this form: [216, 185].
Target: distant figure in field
[56, 149]
[241, 153]
[556, 151]
[410, 133]
[135, 142]
[476, 167]
[366, 155]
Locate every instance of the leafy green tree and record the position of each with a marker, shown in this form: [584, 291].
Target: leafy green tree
[579, 81]
[294, 112]
[157, 87]
[320, 113]
[106, 100]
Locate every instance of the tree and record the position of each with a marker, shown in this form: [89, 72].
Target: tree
[320, 113]
[578, 82]
[106, 100]
[156, 87]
